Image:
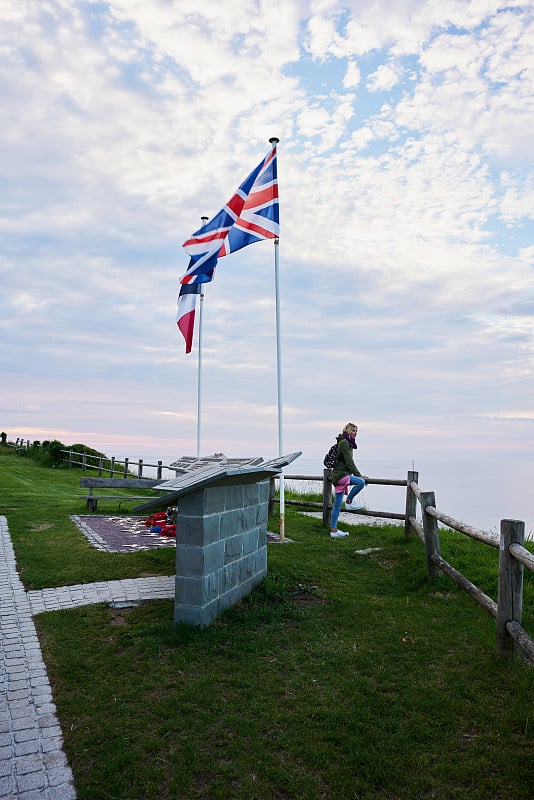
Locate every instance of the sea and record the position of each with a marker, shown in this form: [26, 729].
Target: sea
[477, 492]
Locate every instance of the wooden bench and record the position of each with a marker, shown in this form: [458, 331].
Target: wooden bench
[115, 483]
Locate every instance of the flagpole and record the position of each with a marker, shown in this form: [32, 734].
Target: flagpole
[199, 375]
[274, 141]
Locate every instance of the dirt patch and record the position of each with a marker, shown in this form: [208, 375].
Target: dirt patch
[119, 610]
[118, 617]
[386, 564]
[306, 594]
[43, 526]
[118, 622]
[444, 595]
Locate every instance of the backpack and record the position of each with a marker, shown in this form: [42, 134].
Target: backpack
[331, 457]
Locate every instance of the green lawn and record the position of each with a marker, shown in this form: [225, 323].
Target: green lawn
[341, 676]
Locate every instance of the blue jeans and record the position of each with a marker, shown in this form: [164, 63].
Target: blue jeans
[357, 484]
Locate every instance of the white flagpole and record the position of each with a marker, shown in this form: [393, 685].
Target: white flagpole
[274, 141]
[199, 375]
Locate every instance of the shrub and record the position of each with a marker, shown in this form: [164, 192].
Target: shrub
[50, 454]
[93, 456]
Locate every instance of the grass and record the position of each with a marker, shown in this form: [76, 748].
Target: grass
[341, 676]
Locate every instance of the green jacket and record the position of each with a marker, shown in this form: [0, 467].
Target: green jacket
[345, 463]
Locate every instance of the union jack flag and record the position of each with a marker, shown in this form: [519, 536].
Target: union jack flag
[251, 215]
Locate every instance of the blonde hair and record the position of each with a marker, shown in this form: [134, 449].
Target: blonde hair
[349, 426]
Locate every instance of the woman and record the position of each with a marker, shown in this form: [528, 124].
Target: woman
[344, 474]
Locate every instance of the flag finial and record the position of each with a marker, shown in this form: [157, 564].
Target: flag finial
[274, 140]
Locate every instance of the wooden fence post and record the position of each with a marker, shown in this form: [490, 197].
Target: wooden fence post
[510, 592]
[411, 503]
[140, 468]
[100, 463]
[430, 527]
[159, 470]
[126, 460]
[70, 459]
[327, 497]
[84, 462]
[112, 466]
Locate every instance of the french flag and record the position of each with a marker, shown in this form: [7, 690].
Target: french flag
[185, 317]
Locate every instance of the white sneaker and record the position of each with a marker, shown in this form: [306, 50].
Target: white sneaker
[352, 506]
[337, 534]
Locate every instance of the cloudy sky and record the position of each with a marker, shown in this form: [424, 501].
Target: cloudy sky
[406, 179]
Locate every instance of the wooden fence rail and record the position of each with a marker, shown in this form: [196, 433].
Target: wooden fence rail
[126, 468]
[326, 480]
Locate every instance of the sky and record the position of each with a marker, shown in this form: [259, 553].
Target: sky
[406, 183]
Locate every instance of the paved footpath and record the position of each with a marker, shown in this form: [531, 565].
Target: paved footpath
[33, 765]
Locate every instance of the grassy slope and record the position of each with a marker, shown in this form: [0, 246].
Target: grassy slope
[343, 676]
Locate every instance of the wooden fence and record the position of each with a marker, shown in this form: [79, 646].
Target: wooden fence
[114, 467]
[511, 638]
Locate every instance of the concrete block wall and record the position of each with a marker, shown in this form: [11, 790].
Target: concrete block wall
[221, 547]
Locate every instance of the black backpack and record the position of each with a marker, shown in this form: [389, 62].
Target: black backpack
[331, 457]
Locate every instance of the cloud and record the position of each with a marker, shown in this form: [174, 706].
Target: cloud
[385, 77]
[352, 76]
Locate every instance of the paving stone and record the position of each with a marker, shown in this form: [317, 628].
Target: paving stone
[6, 768]
[63, 792]
[42, 680]
[7, 787]
[53, 730]
[24, 723]
[58, 776]
[47, 721]
[33, 780]
[52, 744]
[20, 710]
[18, 685]
[33, 794]
[23, 766]
[26, 735]
[18, 694]
[6, 753]
[45, 708]
[55, 760]
[21, 702]
[25, 748]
